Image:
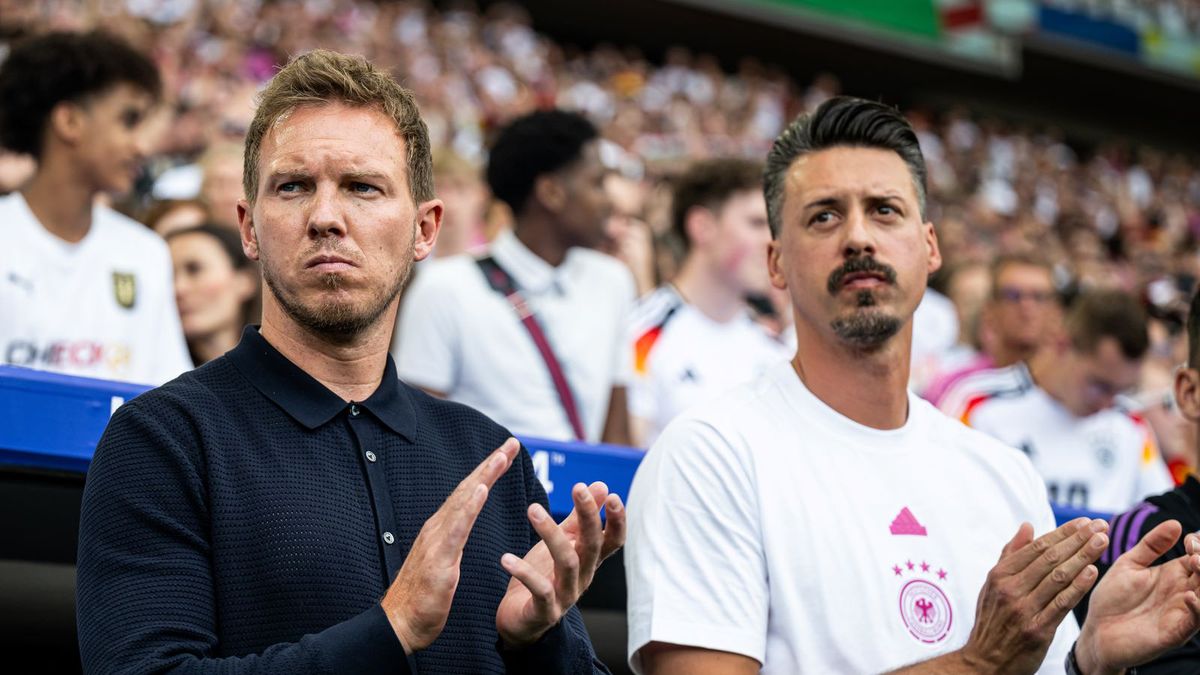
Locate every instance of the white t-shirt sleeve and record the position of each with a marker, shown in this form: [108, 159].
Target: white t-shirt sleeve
[694, 561]
[427, 344]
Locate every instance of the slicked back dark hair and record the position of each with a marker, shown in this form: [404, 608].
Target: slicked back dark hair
[842, 121]
[709, 183]
[1099, 314]
[1193, 332]
[536, 144]
[49, 69]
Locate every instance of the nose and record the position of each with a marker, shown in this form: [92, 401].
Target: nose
[858, 238]
[325, 213]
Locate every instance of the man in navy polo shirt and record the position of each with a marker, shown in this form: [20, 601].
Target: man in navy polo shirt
[250, 515]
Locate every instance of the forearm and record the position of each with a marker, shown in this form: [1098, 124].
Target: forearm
[954, 663]
[362, 644]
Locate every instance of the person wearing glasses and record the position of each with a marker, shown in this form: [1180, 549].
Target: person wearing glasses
[1021, 311]
[1060, 407]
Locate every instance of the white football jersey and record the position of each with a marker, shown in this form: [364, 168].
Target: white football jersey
[765, 523]
[1106, 462]
[103, 307]
[682, 358]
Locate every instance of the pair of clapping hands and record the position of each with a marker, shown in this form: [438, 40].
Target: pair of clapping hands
[1136, 612]
[545, 583]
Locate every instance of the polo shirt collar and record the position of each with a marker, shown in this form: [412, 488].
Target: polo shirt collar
[308, 401]
[529, 272]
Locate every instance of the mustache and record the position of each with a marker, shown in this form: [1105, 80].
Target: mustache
[859, 265]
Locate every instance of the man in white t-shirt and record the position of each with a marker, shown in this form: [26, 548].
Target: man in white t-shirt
[694, 338]
[83, 289]
[824, 519]
[463, 336]
[1059, 409]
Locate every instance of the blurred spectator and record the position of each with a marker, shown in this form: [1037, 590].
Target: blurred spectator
[1107, 213]
[170, 215]
[215, 288]
[1058, 407]
[628, 237]
[1017, 320]
[461, 187]
[86, 290]
[536, 327]
[969, 286]
[694, 338]
[221, 182]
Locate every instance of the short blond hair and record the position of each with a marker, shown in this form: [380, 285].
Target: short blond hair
[321, 77]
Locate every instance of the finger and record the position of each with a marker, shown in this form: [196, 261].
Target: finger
[488, 471]
[591, 532]
[571, 525]
[1084, 541]
[614, 526]
[1156, 542]
[1073, 557]
[562, 550]
[456, 522]
[1022, 557]
[453, 521]
[539, 585]
[1066, 599]
[1019, 540]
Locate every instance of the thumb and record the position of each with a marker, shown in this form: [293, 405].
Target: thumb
[1156, 542]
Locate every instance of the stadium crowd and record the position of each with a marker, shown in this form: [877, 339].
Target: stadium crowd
[620, 202]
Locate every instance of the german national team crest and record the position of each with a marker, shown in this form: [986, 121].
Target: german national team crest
[125, 289]
[924, 607]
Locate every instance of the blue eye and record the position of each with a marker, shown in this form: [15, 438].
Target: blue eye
[291, 186]
[363, 188]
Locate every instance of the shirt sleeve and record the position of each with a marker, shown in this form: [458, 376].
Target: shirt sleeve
[427, 348]
[695, 487]
[566, 648]
[145, 597]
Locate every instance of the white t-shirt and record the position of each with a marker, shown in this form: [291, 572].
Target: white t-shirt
[682, 357]
[764, 523]
[103, 307]
[1107, 462]
[458, 336]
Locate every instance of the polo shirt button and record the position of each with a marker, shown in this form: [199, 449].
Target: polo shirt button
[370, 456]
[388, 538]
[354, 410]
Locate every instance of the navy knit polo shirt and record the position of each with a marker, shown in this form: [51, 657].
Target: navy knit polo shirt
[244, 518]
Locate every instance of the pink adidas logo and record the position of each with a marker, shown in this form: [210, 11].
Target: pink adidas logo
[906, 523]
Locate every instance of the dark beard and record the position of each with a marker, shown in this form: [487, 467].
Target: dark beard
[866, 329]
[338, 323]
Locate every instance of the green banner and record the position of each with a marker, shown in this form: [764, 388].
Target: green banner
[916, 17]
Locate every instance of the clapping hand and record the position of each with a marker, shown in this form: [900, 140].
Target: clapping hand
[555, 572]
